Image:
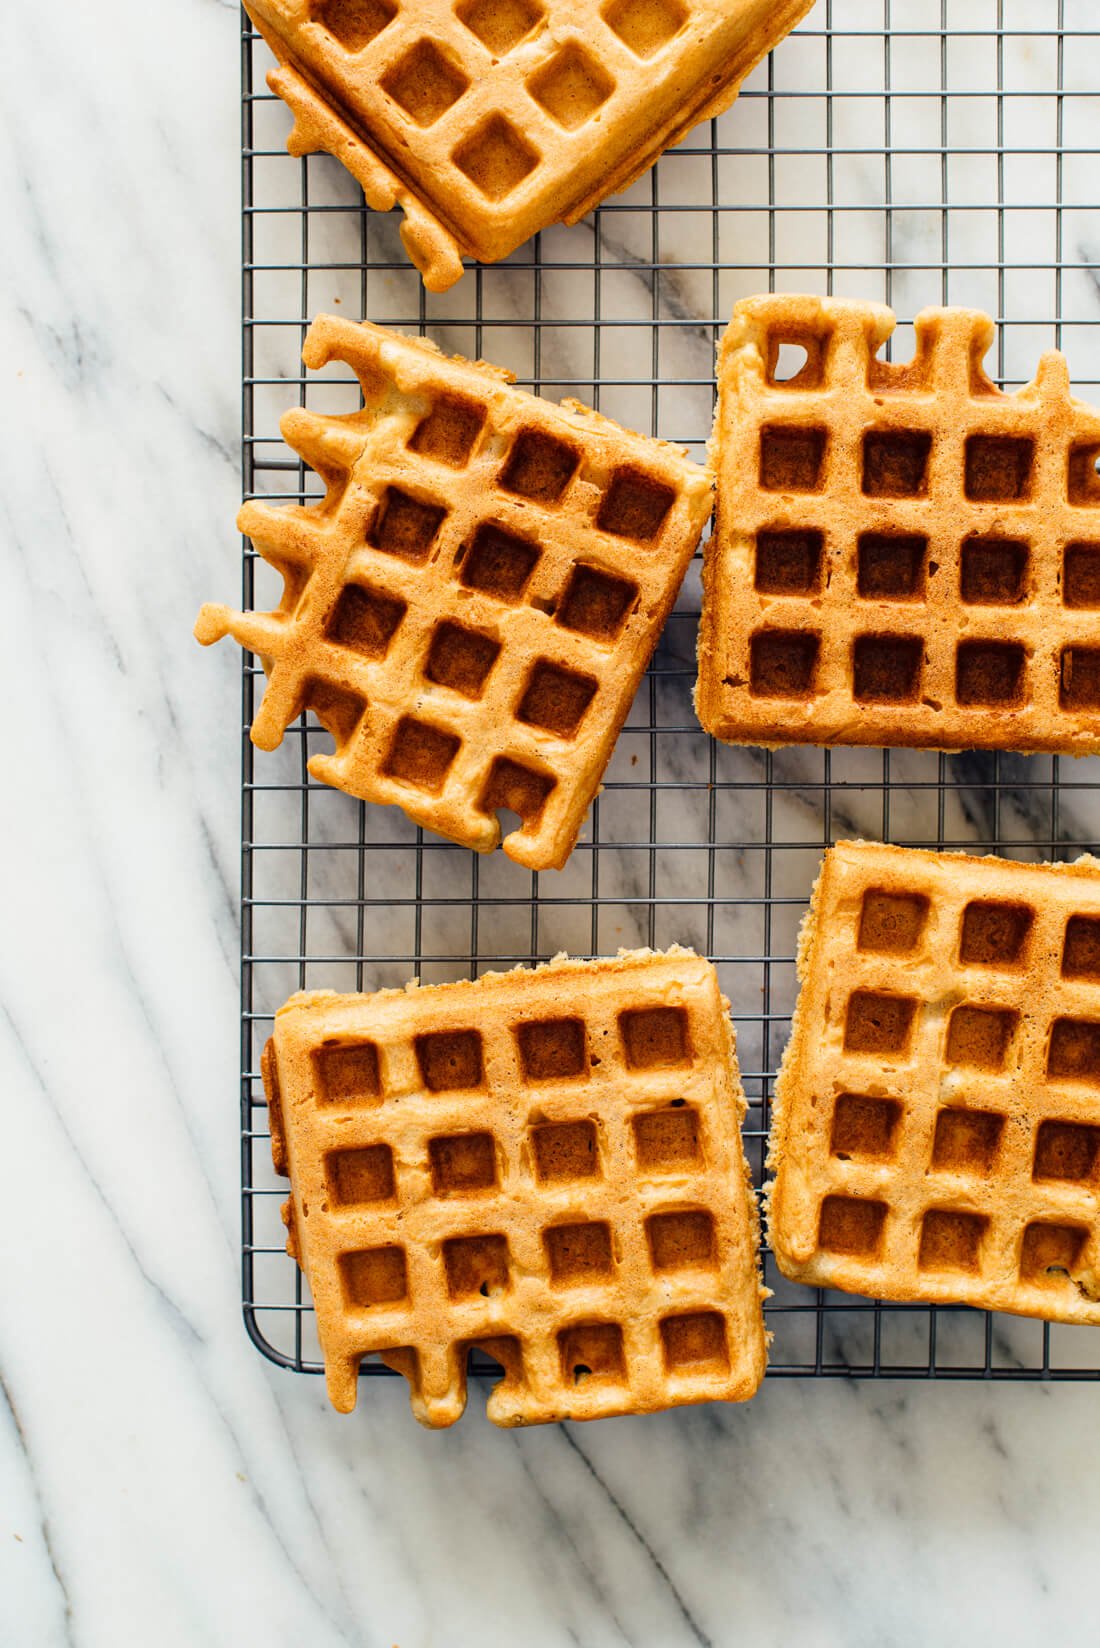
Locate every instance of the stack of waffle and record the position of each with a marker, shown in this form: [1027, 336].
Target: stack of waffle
[487, 120]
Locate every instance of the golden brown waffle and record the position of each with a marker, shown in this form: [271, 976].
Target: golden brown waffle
[902, 554]
[545, 1165]
[937, 1114]
[471, 607]
[487, 120]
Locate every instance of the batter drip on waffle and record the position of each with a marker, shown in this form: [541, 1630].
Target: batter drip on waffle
[471, 607]
[545, 1165]
[902, 554]
[487, 120]
[937, 1114]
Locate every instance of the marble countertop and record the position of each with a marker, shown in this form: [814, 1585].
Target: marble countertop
[161, 1482]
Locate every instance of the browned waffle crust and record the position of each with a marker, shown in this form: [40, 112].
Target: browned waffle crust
[902, 554]
[545, 1164]
[937, 1123]
[487, 120]
[471, 607]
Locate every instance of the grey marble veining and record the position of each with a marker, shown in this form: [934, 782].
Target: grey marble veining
[161, 1482]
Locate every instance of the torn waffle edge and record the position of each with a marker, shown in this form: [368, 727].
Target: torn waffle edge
[336, 337]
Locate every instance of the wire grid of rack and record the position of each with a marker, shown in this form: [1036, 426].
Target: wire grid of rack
[916, 151]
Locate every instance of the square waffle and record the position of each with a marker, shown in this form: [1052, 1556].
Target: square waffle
[902, 554]
[545, 1165]
[487, 120]
[937, 1114]
[471, 607]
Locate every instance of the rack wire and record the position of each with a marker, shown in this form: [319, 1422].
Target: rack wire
[915, 151]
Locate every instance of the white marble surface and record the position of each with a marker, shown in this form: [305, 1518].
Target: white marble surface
[159, 1481]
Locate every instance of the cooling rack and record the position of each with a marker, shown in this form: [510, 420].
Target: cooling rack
[915, 151]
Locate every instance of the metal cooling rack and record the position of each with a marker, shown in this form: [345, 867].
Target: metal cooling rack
[847, 166]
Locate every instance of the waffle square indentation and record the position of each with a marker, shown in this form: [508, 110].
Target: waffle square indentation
[892, 923]
[515, 788]
[500, 24]
[980, 1036]
[1081, 576]
[993, 572]
[895, 463]
[891, 566]
[425, 83]
[592, 1353]
[596, 603]
[1051, 1253]
[783, 663]
[951, 1240]
[792, 459]
[553, 1049]
[667, 1141]
[461, 659]
[995, 934]
[788, 563]
[449, 433]
[852, 1226]
[990, 672]
[1074, 1052]
[865, 1129]
[696, 1343]
[476, 1265]
[1066, 1150]
[348, 1074]
[635, 505]
[338, 711]
[571, 87]
[578, 1254]
[499, 563]
[406, 526]
[967, 1141]
[564, 1151]
[496, 158]
[645, 27]
[998, 467]
[556, 699]
[655, 1038]
[1082, 478]
[539, 467]
[358, 1177]
[886, 669]
[878, 1023]
[796, 359]
[1080, 678]
[375, 1276]
[463, 1163]
[681, 1240]
[421, 755]
[353, 24]
[366, 620]
[1081, 949]
[450, 1060]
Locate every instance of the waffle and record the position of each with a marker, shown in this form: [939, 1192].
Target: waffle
[471, 607]
[545, 1165]
[937, 1120]
[902, 554]
[487, 120]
